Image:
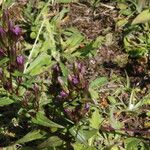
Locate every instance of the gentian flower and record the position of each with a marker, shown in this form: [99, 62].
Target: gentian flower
[63, 94]
[20, 60]
[87, 106]
[1, 53]
[75, 80]
[56, 68]
[16, 30]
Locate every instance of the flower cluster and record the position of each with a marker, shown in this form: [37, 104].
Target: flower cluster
[71, 94]
[10, 35]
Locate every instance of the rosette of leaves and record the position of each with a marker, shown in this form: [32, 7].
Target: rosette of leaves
[137, 43]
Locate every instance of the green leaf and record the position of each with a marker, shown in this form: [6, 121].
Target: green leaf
[78, 134]
[112, 100]
[53, 141]
[42, 120]
[31, 136]
[73, 42]
[143, 17]
[115, 123]
[3, 61]
[132, 143]
[6, 101]
[98, 42]
[11, 147]
[39, 64]
[146, 101]
[82, 135]
[121, 23]
[64, 69]
[98, 82]
[96, 119]
[64, 1]
[94, 94]
[115, 147]
[79, 146]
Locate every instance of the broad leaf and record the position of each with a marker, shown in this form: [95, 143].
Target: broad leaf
[143, 17]
[79, 146]
[80, 137]
[53, 141]
[6, 101]
[42, 120]
[96, 119]
[132, 143]
[94, 94]
[31, 136]
[39, 64]
[98, 82]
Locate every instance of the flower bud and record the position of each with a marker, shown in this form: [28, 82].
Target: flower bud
[75, 80]
[1, 53]
[56, 68]
[16, 30]
[36, 88]
[86, 106]
[20, 60]
[63, 94]
[7, 85]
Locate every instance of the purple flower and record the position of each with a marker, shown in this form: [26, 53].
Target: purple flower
[1, 53]
[20, 60]
[63, 94]
[16, 30]
[75, 80]
[79, 66]
[68, 111]
[56, 68]
[87, 106]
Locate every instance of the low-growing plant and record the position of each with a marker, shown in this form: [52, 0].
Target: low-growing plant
[46, 102]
